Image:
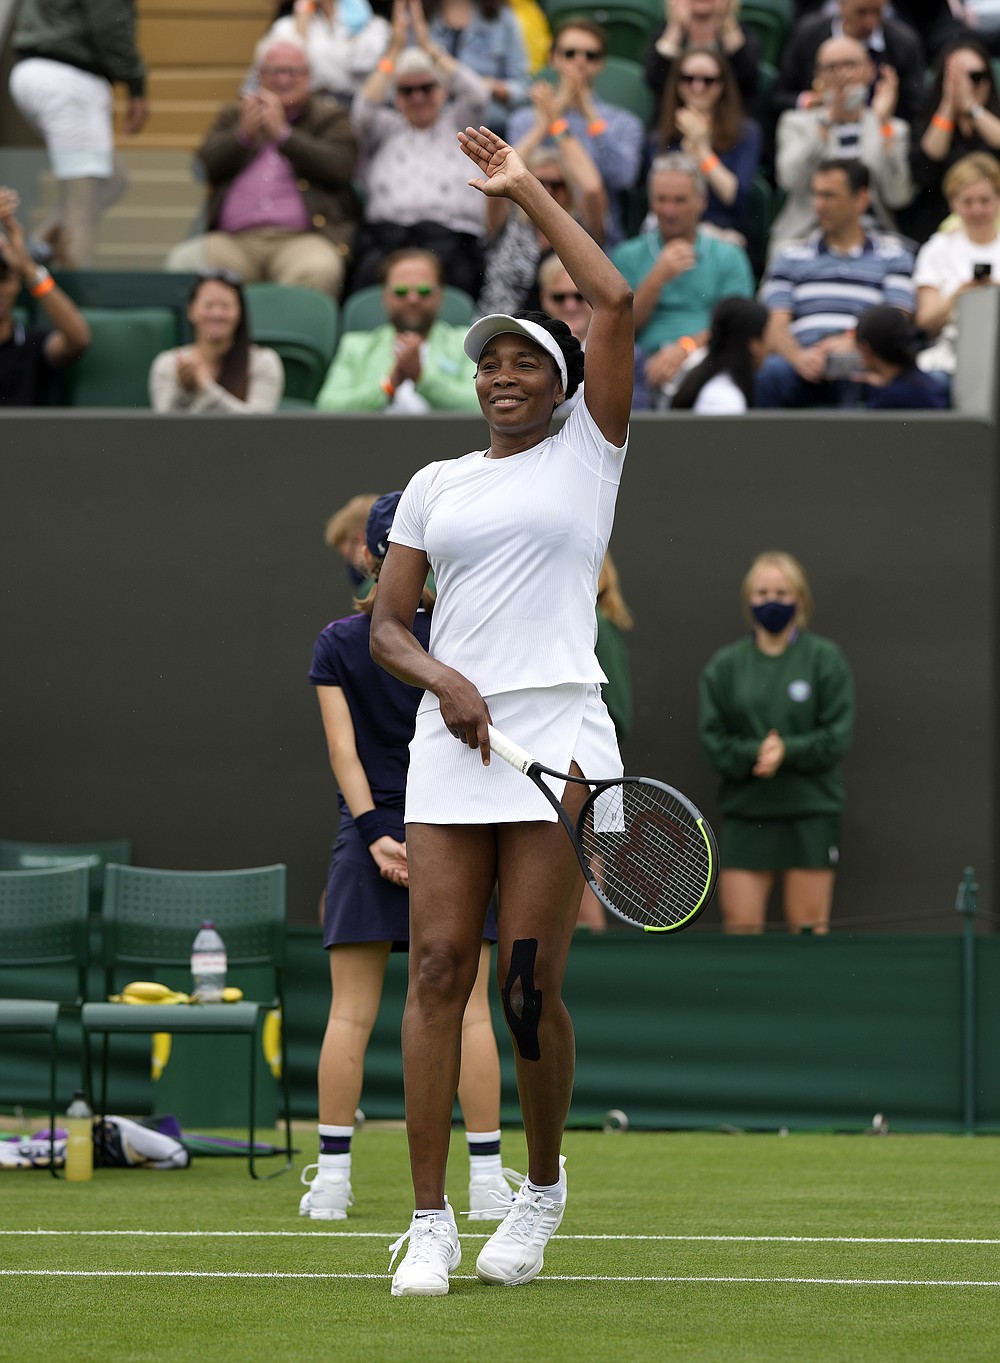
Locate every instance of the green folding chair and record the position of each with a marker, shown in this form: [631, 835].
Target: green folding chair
[131, 289]
[149, 922]
[363, 311]
[771, 22]
[37, 856]
[301, 325]
[43, 926]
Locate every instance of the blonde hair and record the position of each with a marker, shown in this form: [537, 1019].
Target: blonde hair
[609, 596]
[978, 165]
[349, 520]
[797, 580]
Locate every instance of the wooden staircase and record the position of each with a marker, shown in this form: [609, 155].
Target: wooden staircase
[197, 53]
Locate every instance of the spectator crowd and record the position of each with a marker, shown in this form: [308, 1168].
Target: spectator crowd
[853, 192]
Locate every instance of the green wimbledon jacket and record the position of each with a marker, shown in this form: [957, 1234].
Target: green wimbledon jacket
[364, 359]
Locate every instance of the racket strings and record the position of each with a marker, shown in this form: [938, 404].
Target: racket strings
[647, 853]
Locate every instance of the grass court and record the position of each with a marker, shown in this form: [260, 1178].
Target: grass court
[696, 1246]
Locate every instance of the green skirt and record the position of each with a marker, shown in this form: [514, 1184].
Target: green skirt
[807, 844]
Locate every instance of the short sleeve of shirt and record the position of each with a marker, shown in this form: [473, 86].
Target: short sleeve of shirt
[325, 670]
[777, 292]
[408, 522]
[586, 441]
[929, 268]
[897, 288]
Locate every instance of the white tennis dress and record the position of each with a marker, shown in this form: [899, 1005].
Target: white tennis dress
[516, 546]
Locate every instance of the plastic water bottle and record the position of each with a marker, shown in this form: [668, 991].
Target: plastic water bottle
[208, 964]
[80, 1142]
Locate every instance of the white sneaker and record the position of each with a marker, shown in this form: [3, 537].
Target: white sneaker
[491, 1196]
[515, 1251]
[329, 1194]
[433, 1252]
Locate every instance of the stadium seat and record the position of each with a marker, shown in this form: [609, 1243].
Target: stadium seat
[301, 325]
[363, 311]
[770, 21]
[43, 926]
[114, 371]
[131, 289]
[620, 82]
[629, 27]
[38, 856]
[149, 921]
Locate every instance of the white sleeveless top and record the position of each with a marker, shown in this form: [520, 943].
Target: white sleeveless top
[516, 546]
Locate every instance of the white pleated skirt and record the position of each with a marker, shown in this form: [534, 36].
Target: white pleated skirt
[448, 784]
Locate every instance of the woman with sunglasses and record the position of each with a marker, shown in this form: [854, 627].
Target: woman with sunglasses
[221, 371]
[493, 524]
[702, 115]
[961, 115]
[703, 23]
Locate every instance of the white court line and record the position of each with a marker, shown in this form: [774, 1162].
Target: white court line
[483, 1235]
[470, 1277]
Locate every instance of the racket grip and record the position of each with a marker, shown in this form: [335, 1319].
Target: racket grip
[510, 752]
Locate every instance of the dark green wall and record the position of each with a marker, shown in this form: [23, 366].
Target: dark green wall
[163, 580]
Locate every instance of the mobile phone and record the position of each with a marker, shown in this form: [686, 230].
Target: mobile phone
[842, 364]
[981, 270]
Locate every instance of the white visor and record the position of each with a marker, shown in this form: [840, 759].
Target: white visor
[500, 324]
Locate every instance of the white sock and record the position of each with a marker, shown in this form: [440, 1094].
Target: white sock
[337, 1139]
[551, 1189]
[423, 1213]
[484, 1152]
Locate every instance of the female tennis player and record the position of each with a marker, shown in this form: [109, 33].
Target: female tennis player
[368, 720]
[516, 535]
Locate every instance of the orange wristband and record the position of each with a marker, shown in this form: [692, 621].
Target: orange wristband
[598, 126]
[388, 388]
[45, 286]
[945, 124]
[688, 344]
[709, 164]
[387, 66]
[887, 130]
[559, 128]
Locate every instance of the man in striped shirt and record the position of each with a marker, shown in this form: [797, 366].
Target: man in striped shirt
[818, 288]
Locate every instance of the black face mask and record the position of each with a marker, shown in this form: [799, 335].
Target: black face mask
[773, 616]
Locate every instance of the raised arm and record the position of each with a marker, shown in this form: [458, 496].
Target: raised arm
[610, 340]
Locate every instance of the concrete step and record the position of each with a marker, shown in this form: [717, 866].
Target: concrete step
[217, 84]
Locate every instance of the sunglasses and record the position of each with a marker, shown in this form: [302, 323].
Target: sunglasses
[587, 52]
[977, 76]
[408, 90]
[693, 78]
[223, 277]
[561, 298]
[404, 290]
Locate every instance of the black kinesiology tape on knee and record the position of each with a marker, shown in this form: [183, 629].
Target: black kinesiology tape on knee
[523, 1022]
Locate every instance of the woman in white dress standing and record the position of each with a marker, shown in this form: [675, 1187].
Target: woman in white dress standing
[516, 535]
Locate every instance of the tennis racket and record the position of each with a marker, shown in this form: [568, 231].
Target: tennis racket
[647, 853]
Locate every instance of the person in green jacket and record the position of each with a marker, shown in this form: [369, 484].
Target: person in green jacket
[67, 56]
[415, 362]
[776, 717]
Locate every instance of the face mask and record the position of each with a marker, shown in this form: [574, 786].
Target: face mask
[774, 616]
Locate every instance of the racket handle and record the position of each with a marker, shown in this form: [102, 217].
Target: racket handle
[510, 752]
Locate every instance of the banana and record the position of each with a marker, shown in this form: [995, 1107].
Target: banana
[159, 1053]
[271, 1041]
[148, 991]
[231, 994]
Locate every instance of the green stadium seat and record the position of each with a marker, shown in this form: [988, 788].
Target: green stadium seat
[363, 311]
[131, 289]
[302, 326]
[628, 26]
[621, 82]
[770, 21]
[114, 371]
